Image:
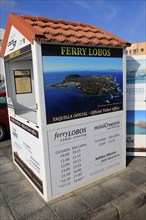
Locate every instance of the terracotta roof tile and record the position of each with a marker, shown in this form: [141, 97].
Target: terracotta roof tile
[73, 40]
[85, 40]
[104, 42]
[95, 41]
[60, 38]
[60, 31]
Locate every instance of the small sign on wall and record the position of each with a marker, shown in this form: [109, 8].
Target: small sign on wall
[22, 81]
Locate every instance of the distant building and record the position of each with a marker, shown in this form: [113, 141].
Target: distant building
[2, 31]
[136, 49]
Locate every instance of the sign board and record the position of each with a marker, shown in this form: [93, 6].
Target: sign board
[78, 154]
[26, 150]
[136, 106]
[16, 45]
[79, 83]
[22, 81]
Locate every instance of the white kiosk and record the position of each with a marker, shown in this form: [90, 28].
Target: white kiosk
[66, 98]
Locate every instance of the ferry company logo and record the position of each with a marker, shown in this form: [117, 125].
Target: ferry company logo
[69, 134]
[12, 44]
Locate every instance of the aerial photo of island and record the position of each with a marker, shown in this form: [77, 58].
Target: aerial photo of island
[81, 84]
[136, 122]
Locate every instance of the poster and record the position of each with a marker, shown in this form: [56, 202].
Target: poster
[26, 150]
[136, 130]
[81, 81]
[22, 81]
[82, 153]
[136, 106]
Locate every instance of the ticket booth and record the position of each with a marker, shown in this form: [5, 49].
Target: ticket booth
[66, 99]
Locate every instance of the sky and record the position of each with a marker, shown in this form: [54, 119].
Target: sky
[80, 63]
[137, 115]
[123, 18]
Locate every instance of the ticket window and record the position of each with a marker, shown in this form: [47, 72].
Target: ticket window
[20, 81]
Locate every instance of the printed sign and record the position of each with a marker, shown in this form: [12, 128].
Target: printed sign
[16, 41]
[136, 92]
[81, 153]
[136, 131]
[136, 70]
[136, 106]
[26, 149]
[22, 81]
[81, 81]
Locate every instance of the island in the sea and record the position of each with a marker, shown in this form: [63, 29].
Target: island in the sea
[141, 124]
[91, 85]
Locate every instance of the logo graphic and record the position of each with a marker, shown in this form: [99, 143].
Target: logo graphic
[12, 44]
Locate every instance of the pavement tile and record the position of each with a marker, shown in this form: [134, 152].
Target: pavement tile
[130, 201]
[1, 153]
[94, 196]
[26, 204]
[141, 168]
[4, 160]
[5, 144]
[5, 213]
[11, 177]
[6, 168]
[68, 195]
[7, 151]
[143, 187]
[139, 214]
[134, 176]
[106, 212]
[70, 208]
[117, 186]
[134, 161]
[16, 189]
[41, 214]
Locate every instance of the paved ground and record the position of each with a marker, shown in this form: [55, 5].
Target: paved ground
[119, 196]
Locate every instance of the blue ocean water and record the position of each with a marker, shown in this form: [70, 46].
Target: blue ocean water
[70, 100]
[135, 130]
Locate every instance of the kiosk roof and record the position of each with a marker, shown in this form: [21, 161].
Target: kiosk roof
[60, 31]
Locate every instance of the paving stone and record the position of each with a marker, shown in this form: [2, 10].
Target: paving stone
[68, 195]
[6, 168]
[1, 153]
[4, 160]
[107, 212]
[139, 214]
[5, 144]
[94, 196]
[70, 208]
[130, 201]
[134, 161]
[26, 204]
[5, 213]
[134, 176]
[143, 187]
[42, 214]
[117, 186]
[16, 189]
[141, 168]
[7, 151]
[11, 177]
